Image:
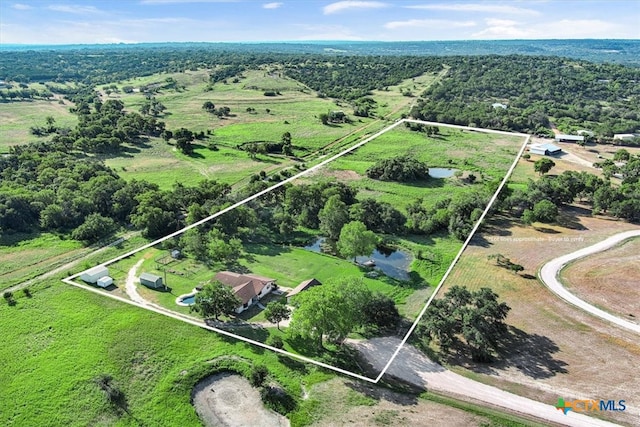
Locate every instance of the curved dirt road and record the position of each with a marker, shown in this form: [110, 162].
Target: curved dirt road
[549, 276]
[415, 368]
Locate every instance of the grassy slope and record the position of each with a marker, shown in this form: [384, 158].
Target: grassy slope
[17, 117]
[66, 337]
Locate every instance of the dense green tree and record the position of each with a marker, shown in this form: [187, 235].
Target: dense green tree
[215, 300]
[356, 240]
[543, 165]
[381, 312]
[401, 168]
[333, 216]
[330, 311]
[621, 155]
[94, 228]
[475, 316]
[276, 312]
[545, 211]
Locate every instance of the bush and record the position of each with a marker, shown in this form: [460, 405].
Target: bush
[277, 399]
[275, 341]
[401, 169]
[258, 375]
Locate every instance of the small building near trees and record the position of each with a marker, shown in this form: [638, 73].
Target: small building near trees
[151, 281]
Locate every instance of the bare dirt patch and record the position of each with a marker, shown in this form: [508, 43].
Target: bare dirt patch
[610, 279]
[227, 399]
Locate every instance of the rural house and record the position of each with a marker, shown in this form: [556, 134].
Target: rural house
[249, 288]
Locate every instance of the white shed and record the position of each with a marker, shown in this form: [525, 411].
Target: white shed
[104, 282]
[93, 274]
[569, 138]
[547, 149]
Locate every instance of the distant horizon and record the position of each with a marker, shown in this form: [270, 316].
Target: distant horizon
[67, 22]
[317, 42]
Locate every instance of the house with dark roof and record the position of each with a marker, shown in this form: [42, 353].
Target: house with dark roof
[302, 287]
[249, 288]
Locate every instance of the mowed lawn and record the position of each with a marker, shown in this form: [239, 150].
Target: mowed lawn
[288, 265]
[16, 118]
[59, 341]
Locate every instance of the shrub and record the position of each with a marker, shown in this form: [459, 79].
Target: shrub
[258, 375]
[275, 341]
[401, 168]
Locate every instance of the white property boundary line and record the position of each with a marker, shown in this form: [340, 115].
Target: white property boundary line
[70, 280]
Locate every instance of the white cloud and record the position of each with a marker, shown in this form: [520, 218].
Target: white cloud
[327, 32]
[20, 6]
[273, 5]
[428, 23]
[185, 1]
[477, 7]
[561, 29]
[75, 9]
[352, 4]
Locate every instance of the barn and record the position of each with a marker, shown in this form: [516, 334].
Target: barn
[151, 281]
[545, 149]
[93, 274]
[569, 138]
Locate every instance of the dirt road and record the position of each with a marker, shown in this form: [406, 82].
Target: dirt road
[549, 276]
[413, 367]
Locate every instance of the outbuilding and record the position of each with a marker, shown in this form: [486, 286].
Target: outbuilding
[547, 149]
[93, 274]
[569, 138]
[303, 287]
[151, 281]
[104, 282]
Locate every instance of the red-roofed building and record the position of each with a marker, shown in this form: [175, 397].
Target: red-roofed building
[249, 288]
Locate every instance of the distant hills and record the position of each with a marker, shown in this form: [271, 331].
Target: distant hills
[595, 50]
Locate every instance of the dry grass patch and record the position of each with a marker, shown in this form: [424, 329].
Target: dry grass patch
[609, 279]
[345, 402]
[555, 349]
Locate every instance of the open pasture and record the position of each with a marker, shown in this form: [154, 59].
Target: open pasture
[17, 117]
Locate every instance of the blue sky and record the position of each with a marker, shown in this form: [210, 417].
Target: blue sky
[135, 21]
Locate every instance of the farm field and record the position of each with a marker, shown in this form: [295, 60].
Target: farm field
[608, 279]
[555, 346]
[17, 117]
[487, 156]
[160, 163]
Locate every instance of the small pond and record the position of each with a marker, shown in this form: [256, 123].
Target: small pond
[393, 263]
[441, 172]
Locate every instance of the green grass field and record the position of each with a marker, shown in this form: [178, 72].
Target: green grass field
[17, 117]
[67, 337]
[23, 256]
[160, 163]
